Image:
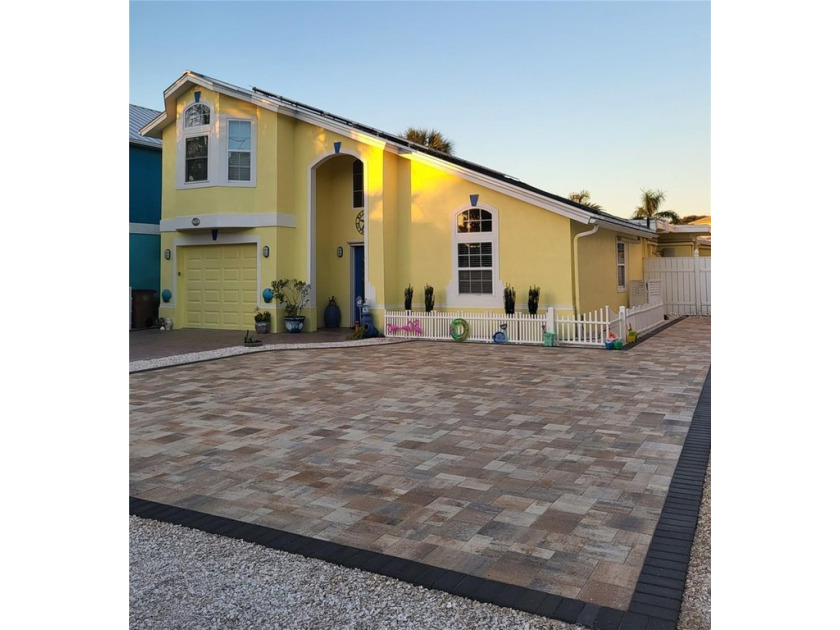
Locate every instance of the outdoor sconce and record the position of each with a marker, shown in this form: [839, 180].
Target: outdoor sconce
[340, 251]
[167, 253]
[266, 251]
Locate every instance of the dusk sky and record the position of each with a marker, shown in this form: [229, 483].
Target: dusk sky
[611, 97]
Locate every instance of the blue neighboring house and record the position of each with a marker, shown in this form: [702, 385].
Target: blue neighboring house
[143, 217]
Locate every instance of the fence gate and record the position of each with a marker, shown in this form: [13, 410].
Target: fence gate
[686, 283]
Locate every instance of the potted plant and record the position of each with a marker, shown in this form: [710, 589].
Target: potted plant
[262, 321]
[510, 300]
[409, 297]
[429, 292]
[250, 341]
[293, 294]
[533, 300]
[332, 314]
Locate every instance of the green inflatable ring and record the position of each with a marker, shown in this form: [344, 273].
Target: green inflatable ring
[464, 332]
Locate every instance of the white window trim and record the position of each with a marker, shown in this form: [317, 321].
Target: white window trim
[468, 300]
[217, 150]
[250, 183]
[620, 288]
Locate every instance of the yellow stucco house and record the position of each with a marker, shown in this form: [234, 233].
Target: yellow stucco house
[257, 187]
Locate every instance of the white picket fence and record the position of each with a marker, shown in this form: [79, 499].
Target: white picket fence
[590, 329]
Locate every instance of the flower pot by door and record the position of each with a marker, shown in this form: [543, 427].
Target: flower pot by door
[294, 324]
[262, 328]
[332, 315]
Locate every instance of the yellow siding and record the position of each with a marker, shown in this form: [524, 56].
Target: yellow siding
[409, 227]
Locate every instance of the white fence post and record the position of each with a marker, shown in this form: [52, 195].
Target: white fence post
[622, 322]
[698, 302]
[549, 320]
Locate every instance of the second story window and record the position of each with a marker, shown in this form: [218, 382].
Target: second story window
[215, 148]
[196, 143]
[196, 159]
[239, 150]
[358, 184]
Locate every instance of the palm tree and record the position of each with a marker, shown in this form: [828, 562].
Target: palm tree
[689, 218]
[583, 198]
[651, 200]
[431, 138]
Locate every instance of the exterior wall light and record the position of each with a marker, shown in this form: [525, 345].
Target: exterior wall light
[266, 251]
[340, 251]
[167, 253]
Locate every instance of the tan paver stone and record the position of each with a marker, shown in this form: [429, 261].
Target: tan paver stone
[548, 469]
[606, 594]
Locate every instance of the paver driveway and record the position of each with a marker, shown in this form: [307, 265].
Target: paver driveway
[538, 467]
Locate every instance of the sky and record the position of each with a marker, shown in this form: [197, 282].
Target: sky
[609, 97]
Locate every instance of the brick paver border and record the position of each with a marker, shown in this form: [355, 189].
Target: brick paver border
[656, 601]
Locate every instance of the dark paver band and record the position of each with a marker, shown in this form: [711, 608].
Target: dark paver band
[657, 598]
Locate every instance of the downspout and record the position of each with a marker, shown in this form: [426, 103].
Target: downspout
[576, 305]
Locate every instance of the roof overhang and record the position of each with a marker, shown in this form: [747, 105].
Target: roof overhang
[386, 142]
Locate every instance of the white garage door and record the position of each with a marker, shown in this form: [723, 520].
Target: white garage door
[220, 283]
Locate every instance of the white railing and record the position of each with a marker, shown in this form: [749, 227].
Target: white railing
[589, 329]
[642, 318]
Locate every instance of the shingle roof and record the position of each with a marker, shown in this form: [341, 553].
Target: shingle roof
[478, 168]
[508, 182]
[139, 117]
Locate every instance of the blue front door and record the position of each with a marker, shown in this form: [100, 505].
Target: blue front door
[358, 276]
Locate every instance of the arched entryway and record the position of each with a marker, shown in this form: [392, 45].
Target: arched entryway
[337, 239]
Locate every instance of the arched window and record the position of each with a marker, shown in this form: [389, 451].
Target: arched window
[196, 115]
[475, 254]
[196, 143]
[475, 258]
[215, 148]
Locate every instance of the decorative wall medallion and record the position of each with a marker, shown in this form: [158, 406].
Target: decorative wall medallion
[360, 222]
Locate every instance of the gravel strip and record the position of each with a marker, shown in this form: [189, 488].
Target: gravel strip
[182, 578]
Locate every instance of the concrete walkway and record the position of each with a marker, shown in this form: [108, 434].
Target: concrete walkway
[539, 467]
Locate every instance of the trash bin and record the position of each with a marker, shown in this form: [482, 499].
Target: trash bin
[144, 308]
[548, 339]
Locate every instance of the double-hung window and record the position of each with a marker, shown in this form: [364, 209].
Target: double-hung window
[475, 236]
[196, 143]
[621, 266]
[215, 148]
[239, 150]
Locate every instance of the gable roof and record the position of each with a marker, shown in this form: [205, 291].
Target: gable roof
[470, 171]
[139, 117]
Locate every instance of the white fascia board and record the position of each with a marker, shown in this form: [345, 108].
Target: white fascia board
[691, 229]
[154, 129]
[615, 226]
[229, 220]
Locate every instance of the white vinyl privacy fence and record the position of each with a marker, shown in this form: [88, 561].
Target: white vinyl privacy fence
[686, 283]
[590, 329]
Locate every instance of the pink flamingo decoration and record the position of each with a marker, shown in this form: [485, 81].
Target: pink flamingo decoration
[413, 326]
